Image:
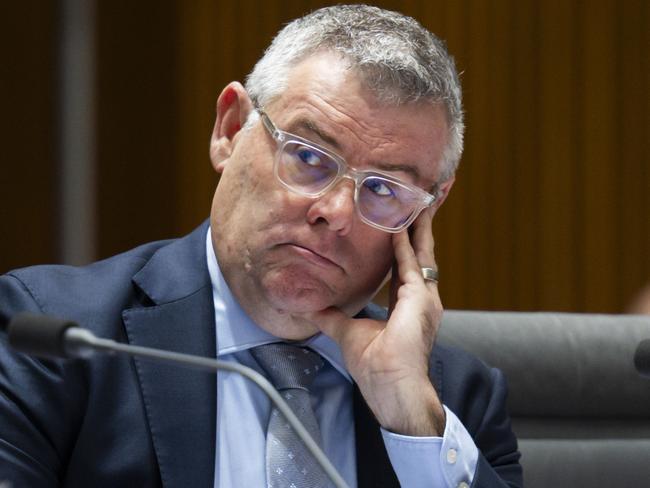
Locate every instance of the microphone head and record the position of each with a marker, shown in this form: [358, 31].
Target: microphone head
[642, 358]
[39, 335]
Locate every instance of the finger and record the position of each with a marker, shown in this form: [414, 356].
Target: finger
[423, 247]
[394, 286]
[408, 268]
[423, 243]
[416, 252]
[423, 239]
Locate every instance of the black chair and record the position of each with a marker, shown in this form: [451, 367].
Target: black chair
[579, 408]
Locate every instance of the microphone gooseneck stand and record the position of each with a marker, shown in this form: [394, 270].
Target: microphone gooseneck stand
[44, 336]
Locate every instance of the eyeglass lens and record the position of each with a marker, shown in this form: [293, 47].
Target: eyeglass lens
[309, 171]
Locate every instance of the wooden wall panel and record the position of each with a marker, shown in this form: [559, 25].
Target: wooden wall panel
[525, 155]
[557, 162]
[137, 110]
[28, 128]
[570, 98]
[205, 56]
[500, 181]
[632, 150]
[477, 168]
[551, 206]
[644, 156]
[597, 154]
[449, 227]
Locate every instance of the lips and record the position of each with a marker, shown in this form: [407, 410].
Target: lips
[311, 255]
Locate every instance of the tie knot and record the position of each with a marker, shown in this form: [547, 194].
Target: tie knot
[288, 366]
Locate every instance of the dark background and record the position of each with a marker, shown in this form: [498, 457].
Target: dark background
[551, 209]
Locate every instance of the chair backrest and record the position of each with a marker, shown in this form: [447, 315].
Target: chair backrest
[579, 408]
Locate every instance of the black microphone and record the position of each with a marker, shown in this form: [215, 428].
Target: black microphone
[39, 335]
[50, 337]
[642, 358]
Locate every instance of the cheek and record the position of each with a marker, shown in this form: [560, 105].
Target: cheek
[249, 202]
[375, 255]
[384, 258]
[243, 185]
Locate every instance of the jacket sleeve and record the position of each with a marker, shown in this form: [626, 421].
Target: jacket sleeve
[498, 462]
[36, 415]
[477, 394]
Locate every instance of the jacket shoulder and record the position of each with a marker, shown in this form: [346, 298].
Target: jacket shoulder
[68, 291]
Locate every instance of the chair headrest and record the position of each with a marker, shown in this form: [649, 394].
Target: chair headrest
[559, 364]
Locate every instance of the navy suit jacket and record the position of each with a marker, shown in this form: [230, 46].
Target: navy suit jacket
[116, 421]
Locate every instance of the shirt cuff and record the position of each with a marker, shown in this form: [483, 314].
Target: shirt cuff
[447, 461]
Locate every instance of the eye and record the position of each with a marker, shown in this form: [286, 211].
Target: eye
[308, 156]
[379, 187]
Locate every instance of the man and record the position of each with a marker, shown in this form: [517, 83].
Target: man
[333, 161]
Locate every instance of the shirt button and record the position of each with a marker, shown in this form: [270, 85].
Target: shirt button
[462, 484]
[452, 455]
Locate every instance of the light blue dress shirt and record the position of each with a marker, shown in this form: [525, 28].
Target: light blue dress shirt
[243, 412]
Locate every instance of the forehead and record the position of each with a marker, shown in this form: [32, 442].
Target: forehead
[326, 101]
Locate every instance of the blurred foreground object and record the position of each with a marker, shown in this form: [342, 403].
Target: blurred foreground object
[641, 304]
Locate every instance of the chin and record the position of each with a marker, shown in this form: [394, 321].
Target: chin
[298, 301]
[299, 290]
[297, 293]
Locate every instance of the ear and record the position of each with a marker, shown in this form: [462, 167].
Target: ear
[443, 191]
[233, 107]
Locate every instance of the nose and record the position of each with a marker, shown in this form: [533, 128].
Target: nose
[335, 208]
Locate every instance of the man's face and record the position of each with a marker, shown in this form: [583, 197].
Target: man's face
[282, 253]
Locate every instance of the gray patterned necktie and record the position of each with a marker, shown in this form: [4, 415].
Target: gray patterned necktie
[291, 369]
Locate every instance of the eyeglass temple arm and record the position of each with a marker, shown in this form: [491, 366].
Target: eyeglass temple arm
[269, 125]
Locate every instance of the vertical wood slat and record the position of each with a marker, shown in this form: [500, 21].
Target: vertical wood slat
[526, 157]
[557, 162]
[646, 147]
[205, 31]
[645, 144]
[478, 220]
[136, 109]
[499, 246]
[631, 151]
[28, 173]
[449, 224]
[645, 137]
[598, 155]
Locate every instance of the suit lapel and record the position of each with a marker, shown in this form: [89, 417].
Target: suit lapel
[373, 466]
[180, 403]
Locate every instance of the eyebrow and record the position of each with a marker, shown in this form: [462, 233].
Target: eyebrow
[309, 126]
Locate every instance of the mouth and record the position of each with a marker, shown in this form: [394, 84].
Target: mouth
[311, 256]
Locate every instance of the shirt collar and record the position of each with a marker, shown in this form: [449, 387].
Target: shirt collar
[236, 331]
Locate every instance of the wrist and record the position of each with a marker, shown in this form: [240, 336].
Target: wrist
[411, 409]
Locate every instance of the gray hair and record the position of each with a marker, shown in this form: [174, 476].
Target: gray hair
[397, 59]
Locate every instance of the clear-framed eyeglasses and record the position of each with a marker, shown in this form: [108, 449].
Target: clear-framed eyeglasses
[381, 200]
